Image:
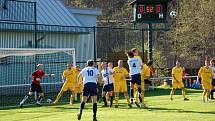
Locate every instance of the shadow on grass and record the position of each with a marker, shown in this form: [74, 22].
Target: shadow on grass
[166, 91]
[180, 110]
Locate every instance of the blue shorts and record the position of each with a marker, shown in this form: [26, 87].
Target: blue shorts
[136, 79]
[90, 89]
[108, 87]
[213, 82]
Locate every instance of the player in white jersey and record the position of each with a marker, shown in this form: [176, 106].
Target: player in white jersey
[90, 76]
[212, 62]
[135, 66]
[107, 90]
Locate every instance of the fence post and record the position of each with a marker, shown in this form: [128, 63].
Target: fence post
[35, 25]
[142, 39]
[94, 43]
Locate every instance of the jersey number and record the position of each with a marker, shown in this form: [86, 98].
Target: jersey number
[90, 72]
[134, 65]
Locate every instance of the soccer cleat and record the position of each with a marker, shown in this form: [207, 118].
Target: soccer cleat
[143, 106]
[129, 105]
[38, 103]
[79, 116]
[186, 99]
[137, 104]
[171, 98]
[104, 106]
[94, 119]
[116, 106]
[21, 104]
[131, 100]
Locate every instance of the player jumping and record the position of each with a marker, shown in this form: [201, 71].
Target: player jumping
[135, 66]
[35, 85]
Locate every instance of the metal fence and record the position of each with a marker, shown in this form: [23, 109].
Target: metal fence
[90, 42]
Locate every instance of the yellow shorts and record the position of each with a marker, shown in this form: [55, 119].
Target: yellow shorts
[78, 89]
[68, 86]
[206, 85]
[120, 87]
[176, 85]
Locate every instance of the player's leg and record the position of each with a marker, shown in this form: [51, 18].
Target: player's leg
[104, 92]
[110, 93]
[25, 98]
[127, 98]
[174, 87]
[136, 94]
[212, 94]
[207, 94]
[132, 91]
[82, 104]
[64, 88]
[40, 98]
[116, 93]
[204, 94]
[183, 92]
[59, 96]
[85, 94]
[72, 96]
[31, 91]
[94, 100]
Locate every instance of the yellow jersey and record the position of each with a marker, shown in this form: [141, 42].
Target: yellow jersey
[70, 75]
[177, 72]
[145, 72]
[120, 74]
[138, 57]
[206, 74]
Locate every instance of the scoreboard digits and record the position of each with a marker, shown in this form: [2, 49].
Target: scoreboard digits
[150, 12]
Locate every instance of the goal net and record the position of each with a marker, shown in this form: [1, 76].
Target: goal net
[17, 65]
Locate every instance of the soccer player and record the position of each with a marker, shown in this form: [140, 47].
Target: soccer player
[35, 85]
[135, 89]
[79, 87]
[206, 75]
[120, 85]
[177, 73]
[90, 76]
[69, 78]
[135, 66]
[108, 88]
[145, 75]
[212, 62]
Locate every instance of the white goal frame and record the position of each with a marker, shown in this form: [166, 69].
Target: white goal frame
[73, 53]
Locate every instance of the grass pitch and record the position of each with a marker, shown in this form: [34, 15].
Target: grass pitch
[161, 108]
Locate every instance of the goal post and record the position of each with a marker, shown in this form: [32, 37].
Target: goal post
[17, 65]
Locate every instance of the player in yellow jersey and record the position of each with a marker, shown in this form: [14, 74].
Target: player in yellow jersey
[120, 84]
[206, 75]
[69, 78]
[79, 87]
[145, 75]
[177, 73]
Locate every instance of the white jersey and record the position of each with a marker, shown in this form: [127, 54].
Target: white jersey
[213, 68]
[135, 65]
[107, 75]
[89, 74]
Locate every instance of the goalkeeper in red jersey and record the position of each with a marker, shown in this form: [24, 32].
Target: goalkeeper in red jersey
[35, 85]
